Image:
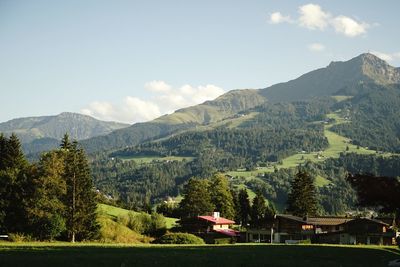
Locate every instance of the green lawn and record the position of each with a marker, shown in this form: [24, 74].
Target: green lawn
[97, 255]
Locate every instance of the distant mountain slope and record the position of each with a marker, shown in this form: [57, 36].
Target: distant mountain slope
[78, 126]
[373, 116]
[328, 81]
[336, 79]
[219, 109]
[39, 134]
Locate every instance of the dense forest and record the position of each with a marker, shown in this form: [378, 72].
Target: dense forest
[373, 116]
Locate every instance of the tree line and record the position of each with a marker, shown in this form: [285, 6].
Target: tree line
[53, 198]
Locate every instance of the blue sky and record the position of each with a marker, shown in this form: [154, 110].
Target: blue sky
[135, 60]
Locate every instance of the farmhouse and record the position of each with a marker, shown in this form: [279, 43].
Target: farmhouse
[334, 230]
[211, 228]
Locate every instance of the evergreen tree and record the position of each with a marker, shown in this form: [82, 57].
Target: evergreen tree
[302, 199]
[244, 207]
[258, 209]
[221, 196]
[80, 196]
[46, 208]
[196, 198]
[14, 186]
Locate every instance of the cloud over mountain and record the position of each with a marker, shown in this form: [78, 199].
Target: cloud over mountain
[163, 99]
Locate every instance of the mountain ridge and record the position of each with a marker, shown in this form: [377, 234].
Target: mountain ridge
[329, 80]
[78, 126]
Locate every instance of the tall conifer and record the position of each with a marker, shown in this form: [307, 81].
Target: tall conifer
[302, 199]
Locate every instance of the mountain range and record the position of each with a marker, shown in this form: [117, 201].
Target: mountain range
[41, 133]
[338, 78]
[351, 106]
[348, 78]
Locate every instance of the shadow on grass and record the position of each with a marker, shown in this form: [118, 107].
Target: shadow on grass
[234, 255]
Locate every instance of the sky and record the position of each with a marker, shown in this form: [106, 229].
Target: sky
[132, 61]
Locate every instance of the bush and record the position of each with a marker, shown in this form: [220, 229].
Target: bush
[305, 241]
[143, 223]
[179, 238]
[20, 237]
[111, 232]
[223, 241]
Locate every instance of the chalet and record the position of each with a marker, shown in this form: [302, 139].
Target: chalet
[211, 228]
[335, 230]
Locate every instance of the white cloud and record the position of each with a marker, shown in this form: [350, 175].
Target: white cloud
[163, 99]
[387, 56]
[157, 86]
[349, 26]
[277, 17]
[313, 17]
[316, 47]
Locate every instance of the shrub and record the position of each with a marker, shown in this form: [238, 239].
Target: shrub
[223, 241]
[19, 237]
[112, 232]
[179, 238]
[305, 241]
[154, 224]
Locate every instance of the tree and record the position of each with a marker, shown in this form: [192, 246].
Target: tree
[377, 191]
[196, 198]
[244, 207]
[14, 186]
[80, 196]
[46, 208]
[221, 196]
[258, 209]
[302, 199]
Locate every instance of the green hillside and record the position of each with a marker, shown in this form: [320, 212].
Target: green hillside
[113, 212]
[219, 109]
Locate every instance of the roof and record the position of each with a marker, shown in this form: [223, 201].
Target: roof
[320, 220]
[228, 232]
[328, 220]
[372, 220]
[214, 220]
[291, 217]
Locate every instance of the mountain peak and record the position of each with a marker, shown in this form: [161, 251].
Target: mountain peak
[337, 75]
[377, 69]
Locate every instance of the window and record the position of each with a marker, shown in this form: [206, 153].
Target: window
[307, 227]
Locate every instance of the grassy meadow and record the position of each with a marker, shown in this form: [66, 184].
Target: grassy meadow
[150, 159]
[63, 254]
[114, 212]
[337, 144]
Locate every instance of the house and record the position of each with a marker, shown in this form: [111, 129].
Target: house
[284, 228]
[368, 231]
[212, 228]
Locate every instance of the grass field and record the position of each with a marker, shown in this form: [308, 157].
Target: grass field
[98, 255]
[337, 144]
[114, 212]
[149, 159]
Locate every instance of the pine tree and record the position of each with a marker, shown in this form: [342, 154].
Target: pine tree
[221, 196]
[80, 197]
[14, 185]
[302, 199]
[258, 209]
[46, 208]
[244, 207]
[196, 199]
